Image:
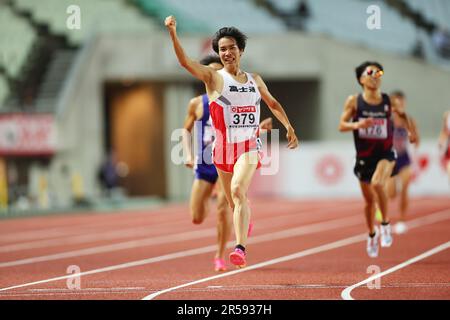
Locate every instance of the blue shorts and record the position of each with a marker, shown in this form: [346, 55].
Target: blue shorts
[206, 172]
[403, 161]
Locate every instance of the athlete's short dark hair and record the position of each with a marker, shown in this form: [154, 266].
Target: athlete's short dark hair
[212, 58]
[362, 67]
[398, 93]
[231, 32]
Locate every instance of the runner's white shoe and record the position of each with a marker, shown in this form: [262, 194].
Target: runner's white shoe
[372, 244]
[386, 235]
[400, 227]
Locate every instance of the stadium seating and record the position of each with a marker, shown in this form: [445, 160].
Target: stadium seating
[104, 16]
[285, 6]
[160, 9]
[16, 41]
[200, 16]
[396, 34]
[435, 11]
[4, 90]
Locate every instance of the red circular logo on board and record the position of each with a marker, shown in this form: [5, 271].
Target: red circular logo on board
[329, 170]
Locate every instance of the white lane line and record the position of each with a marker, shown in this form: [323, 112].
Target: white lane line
[438, 216]
[78, 239]
[56, 234]
[60, 238]
[157, 241]
[63, 290]
[75, 228]
[141, 231]
[68, 230]
[64, 230]
[114, 247]
[313, 228]
[137, 263]
[310, 286]
[346, 293]
[304, 253]
[50, 233]
[78, 293]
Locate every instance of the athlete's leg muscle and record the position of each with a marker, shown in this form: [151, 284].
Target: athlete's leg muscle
[200, 194]
[244, 169]
[225, 183]
[369, 208]
[405, 178]
[379, 181]
[223, 222]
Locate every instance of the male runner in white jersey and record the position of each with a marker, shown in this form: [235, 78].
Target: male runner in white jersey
[205, 171]
[234, 97]
[368, 115]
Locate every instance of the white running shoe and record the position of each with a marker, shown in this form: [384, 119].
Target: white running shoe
[386, 235]
[400, 227]
[372, 244]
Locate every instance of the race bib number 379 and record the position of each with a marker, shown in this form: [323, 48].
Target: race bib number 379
[242, 123]
[379, 130]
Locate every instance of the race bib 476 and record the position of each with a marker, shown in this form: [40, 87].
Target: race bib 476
[377, 131]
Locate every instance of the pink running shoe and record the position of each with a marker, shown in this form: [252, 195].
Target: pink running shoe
[250, 228]
[219, 264]
[237, 257]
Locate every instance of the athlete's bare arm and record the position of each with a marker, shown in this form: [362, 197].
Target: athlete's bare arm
[266, 124]
[443, 136]
[277, 110]
[208, 75]
[415, 130]
[396, 107]
[192, 116]
[345, 123]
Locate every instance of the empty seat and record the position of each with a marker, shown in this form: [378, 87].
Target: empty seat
[100, 16]
[16, 40]
[347, 20]
[4, 90]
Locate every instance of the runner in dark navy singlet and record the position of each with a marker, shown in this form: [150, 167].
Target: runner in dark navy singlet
[369, 116]
[375, 142]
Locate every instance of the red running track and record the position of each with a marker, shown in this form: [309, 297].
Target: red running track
[298, 250]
